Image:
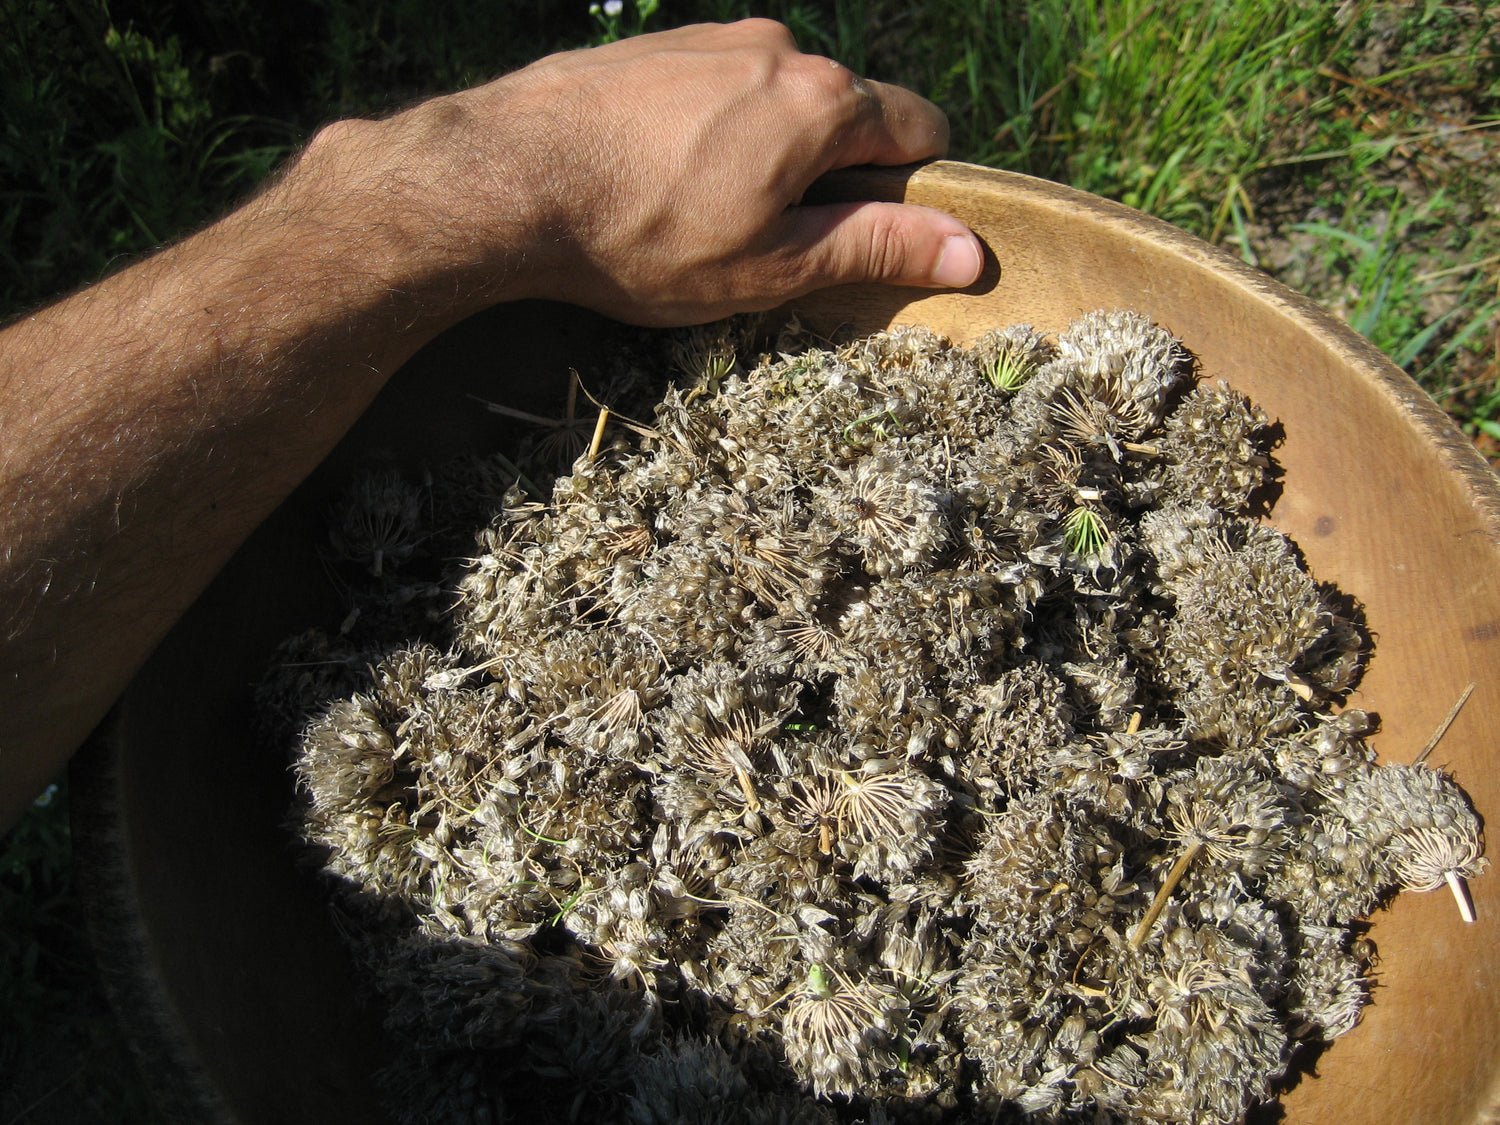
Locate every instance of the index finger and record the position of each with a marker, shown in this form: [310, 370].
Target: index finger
[876, 122]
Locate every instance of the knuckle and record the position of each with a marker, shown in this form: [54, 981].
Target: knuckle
[889, 246]
[767, 29]
[832, 79]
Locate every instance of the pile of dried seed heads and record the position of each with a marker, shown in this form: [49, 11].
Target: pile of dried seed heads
[892, 732]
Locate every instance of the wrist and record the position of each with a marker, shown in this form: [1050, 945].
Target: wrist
[415, 220]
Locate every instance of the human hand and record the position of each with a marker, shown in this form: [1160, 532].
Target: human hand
[658, 179]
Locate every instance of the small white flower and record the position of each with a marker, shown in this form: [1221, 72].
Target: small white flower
[613, 8]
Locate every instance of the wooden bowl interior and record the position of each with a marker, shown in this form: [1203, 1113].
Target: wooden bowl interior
[234, 953]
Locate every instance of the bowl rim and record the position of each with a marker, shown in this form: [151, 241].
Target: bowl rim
[918, 183]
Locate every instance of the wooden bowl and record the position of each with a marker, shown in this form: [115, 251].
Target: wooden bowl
[224, 957]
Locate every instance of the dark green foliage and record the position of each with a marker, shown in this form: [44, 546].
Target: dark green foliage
[61, 1057]
[35, 885]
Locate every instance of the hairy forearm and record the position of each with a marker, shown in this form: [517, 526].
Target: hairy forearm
[152, 421]
[149, 423]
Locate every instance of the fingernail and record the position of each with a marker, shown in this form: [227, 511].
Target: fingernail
[959, 263]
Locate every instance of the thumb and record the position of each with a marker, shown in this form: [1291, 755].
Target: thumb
[895, 243]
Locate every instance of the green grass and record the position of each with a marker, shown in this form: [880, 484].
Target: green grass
[1350, 149]
[1387, 293]
[1324, 130]
[1118, 99]
[1397, 192]
[1256, 124]
[111, 145]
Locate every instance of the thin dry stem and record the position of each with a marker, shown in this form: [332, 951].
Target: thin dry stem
[1437, 735]
[747, 787]
[1460, 891]
[598, 439]
[1169, 884]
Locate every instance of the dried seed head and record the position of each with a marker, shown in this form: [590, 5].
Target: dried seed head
[891, 512]
[1126, 356]
[378, 522]
[904, 714]
[1427, 857]
[888, 815]
[840, 1032]
[1212, 451]
[1235, 815]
